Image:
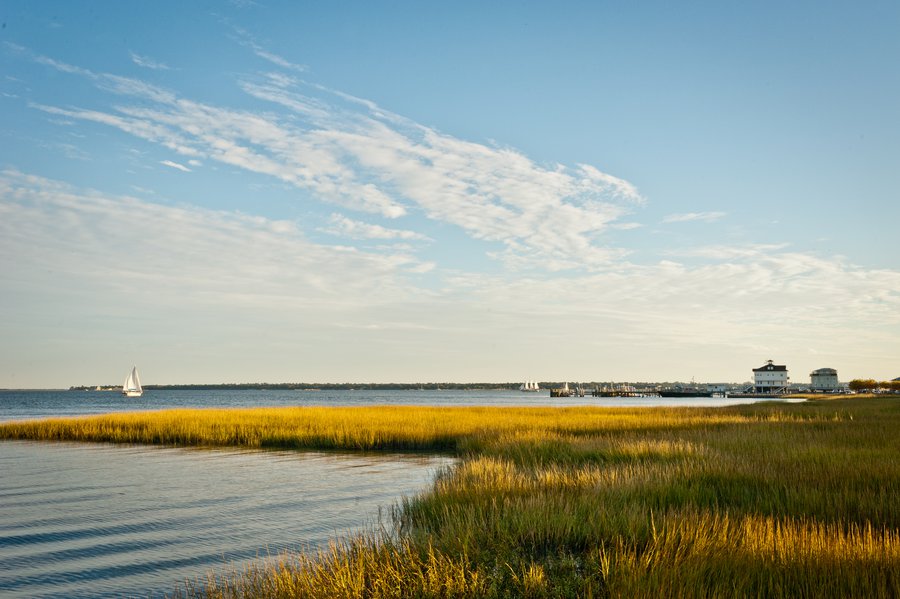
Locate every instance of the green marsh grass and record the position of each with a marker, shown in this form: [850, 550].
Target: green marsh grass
[798, 500]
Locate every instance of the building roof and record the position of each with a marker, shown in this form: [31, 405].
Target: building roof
[824, 371]
[769, 366]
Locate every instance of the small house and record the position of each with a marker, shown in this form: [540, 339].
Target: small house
[770, 378]
[824, 379]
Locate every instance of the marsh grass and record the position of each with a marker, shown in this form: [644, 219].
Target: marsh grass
[776, 499]
[355, 428]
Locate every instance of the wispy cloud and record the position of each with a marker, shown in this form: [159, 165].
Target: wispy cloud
[354, 154]
[276, 59]
[62, 66]
[256, 284]
[246, 40]
[107, 81]
[626, 226]
[729, 252]
[210, 256]
[148, 63]
[175, 165]
[17, 48]
[768, 297]
[694, 216]
[354, 229]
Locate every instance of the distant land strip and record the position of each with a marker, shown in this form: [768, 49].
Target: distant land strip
[544, 385]
[322, 386]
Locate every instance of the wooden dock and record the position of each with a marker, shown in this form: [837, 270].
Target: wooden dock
[624, 393]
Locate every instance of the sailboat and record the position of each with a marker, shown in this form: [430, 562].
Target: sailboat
[529, 386]
[132, 386]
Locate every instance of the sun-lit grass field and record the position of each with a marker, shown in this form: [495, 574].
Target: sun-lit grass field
[776, 499]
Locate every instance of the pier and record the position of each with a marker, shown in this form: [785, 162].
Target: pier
[621, 393]
[564, 391]
[624, 391]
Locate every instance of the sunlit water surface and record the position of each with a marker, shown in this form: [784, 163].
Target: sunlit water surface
[18, 405]
[91, 520]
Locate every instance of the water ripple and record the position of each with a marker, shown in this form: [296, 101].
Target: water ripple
[81, 520]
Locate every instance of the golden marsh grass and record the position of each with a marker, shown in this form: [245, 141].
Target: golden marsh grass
[799, 500]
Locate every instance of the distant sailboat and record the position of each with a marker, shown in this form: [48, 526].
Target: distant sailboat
[132, 386]
[529, 386]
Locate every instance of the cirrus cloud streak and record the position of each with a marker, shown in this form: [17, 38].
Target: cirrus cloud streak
[351, 153]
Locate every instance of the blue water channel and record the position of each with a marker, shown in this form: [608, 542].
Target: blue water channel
[91, 520]
[17, 405]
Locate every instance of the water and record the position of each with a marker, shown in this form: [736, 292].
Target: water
[92, 520]
[17, 405]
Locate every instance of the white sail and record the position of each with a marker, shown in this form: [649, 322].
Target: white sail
[529, 386]
[132, 386]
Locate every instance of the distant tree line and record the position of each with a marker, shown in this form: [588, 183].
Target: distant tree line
[336, 386]
[360, 386]
[317, 386]
[873, 386]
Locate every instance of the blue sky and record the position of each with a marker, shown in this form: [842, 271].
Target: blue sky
[352, 191]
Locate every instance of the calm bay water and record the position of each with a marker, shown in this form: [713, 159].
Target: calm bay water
[17, 405]
[92, 520]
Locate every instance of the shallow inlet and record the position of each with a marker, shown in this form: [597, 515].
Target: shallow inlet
[90, 520]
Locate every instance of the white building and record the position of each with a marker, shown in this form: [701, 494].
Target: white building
[824, 379]
[770, 378]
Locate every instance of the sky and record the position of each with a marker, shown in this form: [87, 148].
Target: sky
[259, 191]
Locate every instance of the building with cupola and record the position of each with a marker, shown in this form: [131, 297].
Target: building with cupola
[770, 378]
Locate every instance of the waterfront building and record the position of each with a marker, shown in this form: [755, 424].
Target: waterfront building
[824, 379]
[770, 378]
